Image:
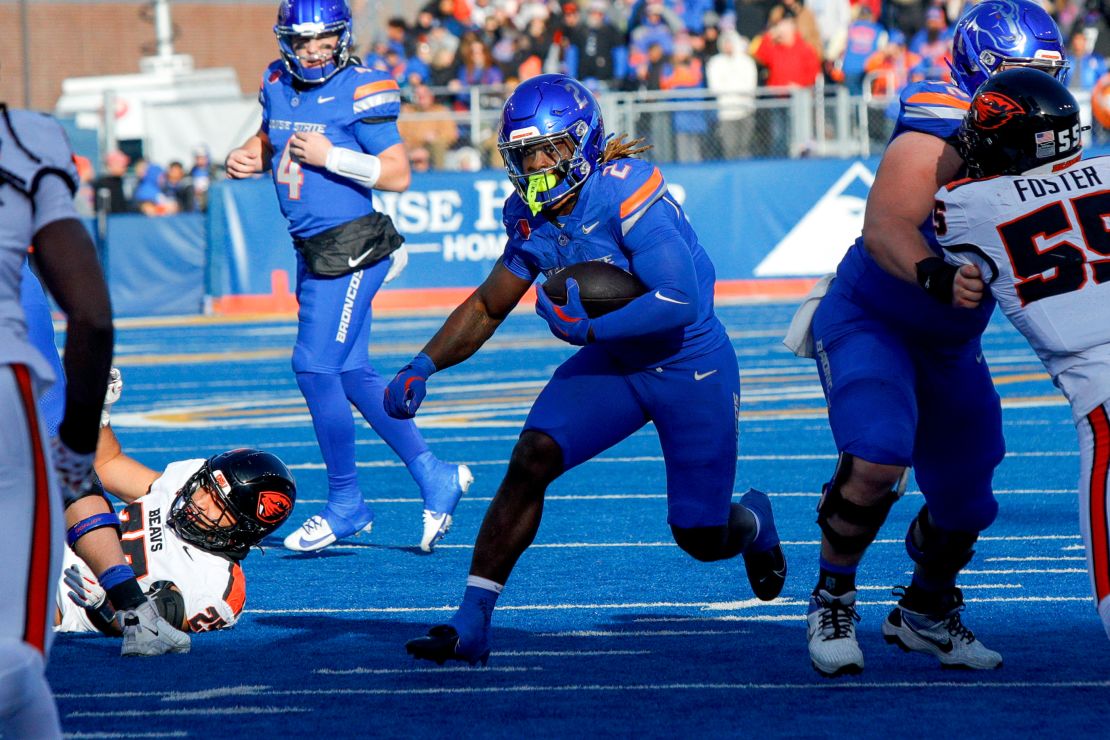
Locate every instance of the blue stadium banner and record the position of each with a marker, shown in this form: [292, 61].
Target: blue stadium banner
[759, 218]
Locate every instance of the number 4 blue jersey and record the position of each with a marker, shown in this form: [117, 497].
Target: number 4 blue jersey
[356, 109]
[625, 216]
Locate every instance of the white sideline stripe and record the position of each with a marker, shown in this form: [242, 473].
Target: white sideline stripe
[536, 688]
[726, 618]
[410, 671]
[1051, 571]
[651, 458]
[1050, 558]
[91, 735]
[245, 690]
[663, 496]
[963, 586]
[189, 712]
[705, 605]
[638, 633]
[566, 653]
[668, 543]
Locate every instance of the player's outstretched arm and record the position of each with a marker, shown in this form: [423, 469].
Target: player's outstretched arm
[121, 475]
[913, 168]
[466, 329]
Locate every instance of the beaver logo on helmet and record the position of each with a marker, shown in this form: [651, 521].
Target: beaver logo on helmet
[273, 506]
[992, 110]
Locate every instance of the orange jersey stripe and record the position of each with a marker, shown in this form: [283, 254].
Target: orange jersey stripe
[38, 572]
[372, 87]
[637, 199]
[932, 98]
[236, 593]
[1100, 467]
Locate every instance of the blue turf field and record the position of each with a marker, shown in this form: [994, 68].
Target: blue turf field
[606, 628]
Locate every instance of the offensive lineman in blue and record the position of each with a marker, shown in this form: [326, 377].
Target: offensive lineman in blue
[329, 135]
[665, 357]
[903, 372]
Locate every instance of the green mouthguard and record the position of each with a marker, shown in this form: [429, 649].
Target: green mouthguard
[538, 183]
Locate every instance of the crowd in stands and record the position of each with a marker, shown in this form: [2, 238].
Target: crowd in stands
[139, 186]
[747, 54]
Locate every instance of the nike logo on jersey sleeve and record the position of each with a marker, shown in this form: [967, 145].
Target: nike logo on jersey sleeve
[662, 297]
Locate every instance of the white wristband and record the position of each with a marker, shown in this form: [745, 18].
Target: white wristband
[365, 169]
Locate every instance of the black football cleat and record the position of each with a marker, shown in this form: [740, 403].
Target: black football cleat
[441, 645]
[764, 559]
[766, 572]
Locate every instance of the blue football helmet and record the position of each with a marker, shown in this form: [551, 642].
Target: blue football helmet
[994, 35]
[560, 115]
[309, 18]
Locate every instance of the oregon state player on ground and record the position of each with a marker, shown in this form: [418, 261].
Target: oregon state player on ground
[664, 358]
[1035, 228]
[185, 532]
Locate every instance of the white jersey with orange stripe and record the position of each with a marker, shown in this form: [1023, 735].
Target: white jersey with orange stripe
[37, 181]
[214, 587]
[1041, 241]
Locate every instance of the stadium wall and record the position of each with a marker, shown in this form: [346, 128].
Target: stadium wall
[770, 226]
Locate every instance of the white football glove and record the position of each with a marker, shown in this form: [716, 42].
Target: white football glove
[74, 469]
[84, 590]
[115, 388]
[397, 262]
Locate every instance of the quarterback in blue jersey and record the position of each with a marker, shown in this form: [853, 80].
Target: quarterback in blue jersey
[903, 372]
[329, 135]
[663, 358]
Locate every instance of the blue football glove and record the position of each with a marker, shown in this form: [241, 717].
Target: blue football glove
[406, 391]
[568, 322]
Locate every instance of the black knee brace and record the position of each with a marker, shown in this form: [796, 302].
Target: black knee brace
[869, 517]
[943, 550]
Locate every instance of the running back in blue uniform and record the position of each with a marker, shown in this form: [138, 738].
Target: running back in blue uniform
[663, 358]
[903, 373]
[329, 135]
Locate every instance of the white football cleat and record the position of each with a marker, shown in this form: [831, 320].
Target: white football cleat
[945, 637]
[316, 534]
[438, 523]
[833, 648]
[146, 633]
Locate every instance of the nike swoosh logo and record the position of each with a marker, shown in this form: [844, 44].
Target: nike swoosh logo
[945, 647]
[979, 359]
[310, 543]
[702, 376]
[322, 99]
[662, 297]
[186, 551]
[352, 262]
[591, 227]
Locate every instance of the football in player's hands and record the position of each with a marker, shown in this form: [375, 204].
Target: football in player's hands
[602, 287]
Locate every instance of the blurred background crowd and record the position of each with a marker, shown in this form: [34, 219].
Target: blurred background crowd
[712, 79]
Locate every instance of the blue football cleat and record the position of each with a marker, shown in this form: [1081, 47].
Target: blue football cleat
[764, 559]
